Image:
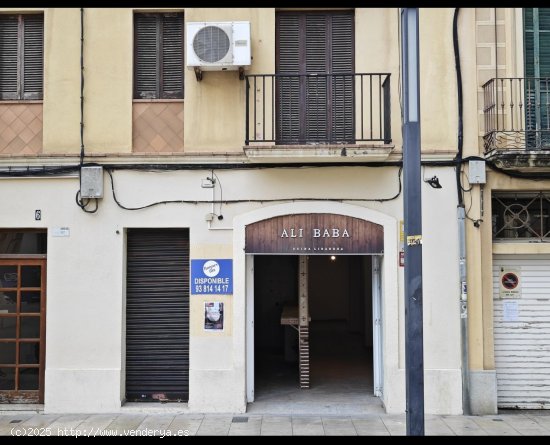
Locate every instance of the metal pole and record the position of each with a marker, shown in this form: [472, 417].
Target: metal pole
[414, 351]
[466, 408]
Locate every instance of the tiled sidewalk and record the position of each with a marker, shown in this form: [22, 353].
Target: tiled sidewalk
[142, 424]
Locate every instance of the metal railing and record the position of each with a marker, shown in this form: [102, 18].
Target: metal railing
[517, 113]
[291, 109]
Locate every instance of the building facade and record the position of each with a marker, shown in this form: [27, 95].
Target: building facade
[508, 265]
[183, 224]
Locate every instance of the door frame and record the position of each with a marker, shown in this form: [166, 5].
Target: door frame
[378, 369]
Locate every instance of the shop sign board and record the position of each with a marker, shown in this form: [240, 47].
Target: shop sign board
[314, 234]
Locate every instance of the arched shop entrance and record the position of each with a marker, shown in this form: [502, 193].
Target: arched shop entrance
[314, 313]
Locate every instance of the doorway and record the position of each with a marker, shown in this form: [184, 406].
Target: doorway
[22, 330]
[344, 362]
[157, 315]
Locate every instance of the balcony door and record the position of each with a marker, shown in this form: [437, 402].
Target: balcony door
[537, 76]
[315, 82]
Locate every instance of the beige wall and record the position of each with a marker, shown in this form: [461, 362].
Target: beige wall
[108, 43]
[215, 110]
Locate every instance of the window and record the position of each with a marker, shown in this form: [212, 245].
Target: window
[521, 216]
[537, 76]
[21, 56]
[315, 108]
[158, 65]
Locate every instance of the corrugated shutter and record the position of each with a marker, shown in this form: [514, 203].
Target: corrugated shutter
[522, 347]
[172, 56]
[33, 56]
[8, 56]
[158, 67]
[157, 314]
[315, 109]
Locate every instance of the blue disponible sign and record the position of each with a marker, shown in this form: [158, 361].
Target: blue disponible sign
[211, 277]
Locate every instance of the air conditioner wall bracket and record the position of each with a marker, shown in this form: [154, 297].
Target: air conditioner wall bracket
[198, 74]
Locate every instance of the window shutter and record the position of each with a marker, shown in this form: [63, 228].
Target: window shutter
[33, 56]
[315, 108]
[147, 43]
[317, 62]
[172, 56]
[537, 65]
[288, 89]
[8, 56]
[343, 96]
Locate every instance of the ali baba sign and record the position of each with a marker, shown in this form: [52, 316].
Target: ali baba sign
[314, 234]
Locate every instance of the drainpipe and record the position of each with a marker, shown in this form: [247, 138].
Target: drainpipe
[461, 232]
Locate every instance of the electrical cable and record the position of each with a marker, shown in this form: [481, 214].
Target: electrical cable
[221, 193]
[458, 156]
[79, 202]
[235, 201]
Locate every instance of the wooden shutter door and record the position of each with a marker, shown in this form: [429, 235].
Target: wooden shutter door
[315, 108]
[343, 95]
[288, 88]
[172, 56]
[33, 56]
[8, 56]
[147, 46]
[317, 62]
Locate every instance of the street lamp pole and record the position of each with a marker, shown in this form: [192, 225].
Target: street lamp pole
[414, 351]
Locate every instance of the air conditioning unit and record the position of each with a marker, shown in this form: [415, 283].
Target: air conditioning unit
[218, 46]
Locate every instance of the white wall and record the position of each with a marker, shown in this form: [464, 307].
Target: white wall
[85, 276]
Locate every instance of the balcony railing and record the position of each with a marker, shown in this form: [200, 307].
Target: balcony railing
[517, 113]
[289, 109]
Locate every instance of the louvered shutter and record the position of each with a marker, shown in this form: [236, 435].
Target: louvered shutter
[172, 56]
[8, 56]
[288, 88]
[343, 96]
[315, 108]
[33, 56]
[537, 65]
[317, 62]
[147, 42]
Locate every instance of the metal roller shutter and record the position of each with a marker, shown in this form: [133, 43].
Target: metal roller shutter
[522, 347]
[157, 315]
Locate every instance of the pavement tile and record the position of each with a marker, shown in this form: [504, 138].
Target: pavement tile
[339, 426]
[123, 424]
[372, 426]
[396, 424]
[186, 423]
[463, 426]
[307, 426]
[250, 428]
[94, 424]
[215, 426]
[495, 425]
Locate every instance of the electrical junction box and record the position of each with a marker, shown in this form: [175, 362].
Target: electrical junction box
[91, 182]
[476, 172]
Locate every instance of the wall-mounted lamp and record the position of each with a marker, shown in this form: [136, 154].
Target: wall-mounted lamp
[434, 182]
[332, 258]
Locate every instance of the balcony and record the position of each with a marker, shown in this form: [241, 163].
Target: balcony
[318, 117]
[517, 123]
